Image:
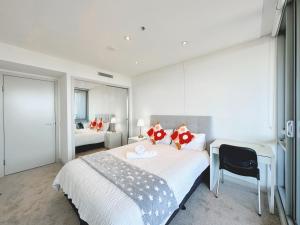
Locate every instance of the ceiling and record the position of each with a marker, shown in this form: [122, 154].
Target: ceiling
[92, 31]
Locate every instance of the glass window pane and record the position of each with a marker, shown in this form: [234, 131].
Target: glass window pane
[80, 101]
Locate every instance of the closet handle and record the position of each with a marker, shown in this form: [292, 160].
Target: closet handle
[290, 129]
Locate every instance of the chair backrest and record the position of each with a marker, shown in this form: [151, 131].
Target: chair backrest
[239, 160]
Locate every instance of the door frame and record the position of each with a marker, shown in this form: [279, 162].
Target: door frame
[56, 111]
[297, 57]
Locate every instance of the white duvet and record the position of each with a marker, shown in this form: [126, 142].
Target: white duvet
[88, 136]
[100, 202]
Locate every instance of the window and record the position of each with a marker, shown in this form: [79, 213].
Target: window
[81, 104]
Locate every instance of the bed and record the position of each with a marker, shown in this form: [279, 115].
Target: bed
[100, 202]
[87, 139]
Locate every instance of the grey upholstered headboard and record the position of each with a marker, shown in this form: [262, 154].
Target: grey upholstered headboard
[196, 124]
[105, 117]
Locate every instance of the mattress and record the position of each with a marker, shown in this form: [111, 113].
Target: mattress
[88, 136]
[99, 202]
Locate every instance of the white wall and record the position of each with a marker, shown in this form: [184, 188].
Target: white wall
[70, 70]
[1, 129]
[66, 129]
[234, 86]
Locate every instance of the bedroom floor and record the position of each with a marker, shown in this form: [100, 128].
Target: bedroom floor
[27, 198]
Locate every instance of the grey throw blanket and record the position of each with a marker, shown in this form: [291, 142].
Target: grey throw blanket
[150, 192]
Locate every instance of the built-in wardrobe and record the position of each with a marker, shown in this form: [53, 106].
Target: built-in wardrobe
[102, 100]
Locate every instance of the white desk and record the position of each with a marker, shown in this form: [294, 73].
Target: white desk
[265, 155]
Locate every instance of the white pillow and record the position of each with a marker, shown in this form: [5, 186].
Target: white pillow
[167, 139]
[198, 143]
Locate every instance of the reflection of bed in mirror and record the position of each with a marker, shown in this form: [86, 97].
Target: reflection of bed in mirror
[87, 139]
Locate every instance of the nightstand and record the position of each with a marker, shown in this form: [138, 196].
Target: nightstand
[136, 139]
[113, 140]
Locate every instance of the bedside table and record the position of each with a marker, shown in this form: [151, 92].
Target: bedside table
[113, 140]
[136, 139]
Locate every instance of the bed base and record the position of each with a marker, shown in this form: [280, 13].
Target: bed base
[204, 177]
[84, 148]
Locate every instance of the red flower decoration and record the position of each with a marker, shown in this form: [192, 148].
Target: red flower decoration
[174, 135]
[185, 138]
[99, 125]
[93, 124]
[158, 135]
[150, 132]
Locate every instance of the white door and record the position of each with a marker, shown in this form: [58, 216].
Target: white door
[29, 123]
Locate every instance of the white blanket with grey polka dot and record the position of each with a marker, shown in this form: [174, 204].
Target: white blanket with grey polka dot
[151, 193]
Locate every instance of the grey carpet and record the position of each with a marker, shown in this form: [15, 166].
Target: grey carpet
[27, 198]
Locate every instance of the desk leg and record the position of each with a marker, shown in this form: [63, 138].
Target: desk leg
[271, 181]
[214, 168]
[272, 172]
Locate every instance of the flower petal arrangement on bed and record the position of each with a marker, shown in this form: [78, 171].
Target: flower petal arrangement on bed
[110, 189]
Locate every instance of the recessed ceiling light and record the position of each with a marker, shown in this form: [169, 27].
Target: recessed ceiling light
[136, 62]
[184, 43]
[127, 38]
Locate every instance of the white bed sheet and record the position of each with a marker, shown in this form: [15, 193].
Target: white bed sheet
[88, 136]
[100, 202]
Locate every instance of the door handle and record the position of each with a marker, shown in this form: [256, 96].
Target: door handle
[290, 129]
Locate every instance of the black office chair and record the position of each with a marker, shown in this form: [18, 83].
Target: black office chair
[241, 161]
